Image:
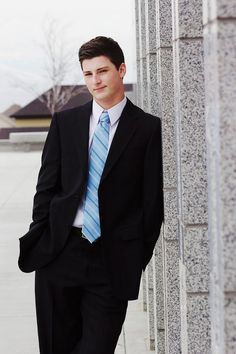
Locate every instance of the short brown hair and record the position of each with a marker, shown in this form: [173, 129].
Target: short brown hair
[102, 46]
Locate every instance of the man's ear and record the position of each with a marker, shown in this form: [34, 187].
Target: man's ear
[122, 70]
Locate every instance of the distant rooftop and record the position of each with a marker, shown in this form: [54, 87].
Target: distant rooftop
[6, 122]
[11, 110]
[37, 109]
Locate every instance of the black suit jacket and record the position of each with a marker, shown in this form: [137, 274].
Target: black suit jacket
[130, 194]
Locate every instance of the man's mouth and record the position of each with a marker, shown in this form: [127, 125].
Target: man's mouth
[99, 88]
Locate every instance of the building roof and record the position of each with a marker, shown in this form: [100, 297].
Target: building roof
[6, 122]
[11, 110]
[37, 109]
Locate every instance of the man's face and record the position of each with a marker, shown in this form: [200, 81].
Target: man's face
[104, 81]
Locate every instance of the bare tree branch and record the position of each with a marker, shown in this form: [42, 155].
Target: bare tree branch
[57, 68]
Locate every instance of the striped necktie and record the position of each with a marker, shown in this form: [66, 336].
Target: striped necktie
[98, 154]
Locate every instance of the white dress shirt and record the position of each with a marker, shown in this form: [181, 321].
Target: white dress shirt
[114, 114]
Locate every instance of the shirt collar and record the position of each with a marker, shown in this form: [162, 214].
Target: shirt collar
[114, 112]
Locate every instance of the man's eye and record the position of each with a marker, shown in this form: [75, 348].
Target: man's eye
[103, 71]
[87, 74]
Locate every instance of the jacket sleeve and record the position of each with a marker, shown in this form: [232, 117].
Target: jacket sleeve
[153, 193]
[49, 175]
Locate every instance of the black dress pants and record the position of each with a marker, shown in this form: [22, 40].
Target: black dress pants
[77, 313]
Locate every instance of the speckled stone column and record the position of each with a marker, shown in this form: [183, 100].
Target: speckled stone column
[170, 241]
[139, 95]
[150, 305]
[220, 71]
[191, 175]
[154, 104]
[143, 55]
[152, 107]
[159, 296]
[138, 54]
[153, 280]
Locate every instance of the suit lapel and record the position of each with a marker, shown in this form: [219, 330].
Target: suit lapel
[123, 134]
[81, 130]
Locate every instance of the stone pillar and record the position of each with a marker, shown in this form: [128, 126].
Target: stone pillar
[152, 107]
[220, 71]
[191, 175]
[143, 55]
[150, 305]
[170, 241]
[159, 332]
[139, 95]
[138, 54]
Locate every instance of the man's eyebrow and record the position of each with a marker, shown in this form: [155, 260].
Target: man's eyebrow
[103, 67]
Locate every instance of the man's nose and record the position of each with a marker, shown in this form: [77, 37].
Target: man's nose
[96, 79]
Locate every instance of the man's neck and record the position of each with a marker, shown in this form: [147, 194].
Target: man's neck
[110, 104]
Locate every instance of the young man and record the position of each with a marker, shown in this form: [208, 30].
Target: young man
[97, 211]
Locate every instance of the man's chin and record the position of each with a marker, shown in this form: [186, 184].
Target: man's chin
[101, 95]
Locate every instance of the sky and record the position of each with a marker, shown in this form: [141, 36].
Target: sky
[22, 58]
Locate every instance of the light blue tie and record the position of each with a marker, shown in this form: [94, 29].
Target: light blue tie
[98, 154]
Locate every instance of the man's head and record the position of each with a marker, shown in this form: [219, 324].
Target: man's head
[102, 46]
[102, 63]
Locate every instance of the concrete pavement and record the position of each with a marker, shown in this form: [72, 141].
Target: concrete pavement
[18, 333]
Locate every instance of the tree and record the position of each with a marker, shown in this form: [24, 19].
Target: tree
[57, 68]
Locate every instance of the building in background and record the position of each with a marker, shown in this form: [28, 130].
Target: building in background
[11, 110]
[186, 70]
[36, 115]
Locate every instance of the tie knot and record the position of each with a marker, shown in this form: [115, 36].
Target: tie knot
[104, 118]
